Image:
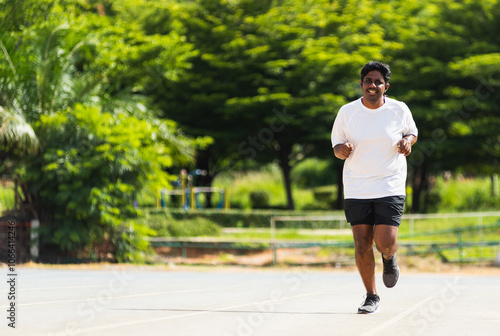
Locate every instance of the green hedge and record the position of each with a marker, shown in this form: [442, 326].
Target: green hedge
[246, 218]
[166, 225]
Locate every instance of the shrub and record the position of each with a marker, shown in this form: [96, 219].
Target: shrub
[324, 199]
[166, 225]
[313, 172]
[465, 195]
[7, 198]
[245, 218]
[268, 178]
[88, 173]
[259, 200]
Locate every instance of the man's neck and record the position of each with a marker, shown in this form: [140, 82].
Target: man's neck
[375, 105]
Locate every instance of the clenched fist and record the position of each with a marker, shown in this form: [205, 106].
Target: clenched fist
[344, 150]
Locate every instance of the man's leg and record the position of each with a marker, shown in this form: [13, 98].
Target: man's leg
[386, 240]
[385, 237]
[388, 212]
[365, 260]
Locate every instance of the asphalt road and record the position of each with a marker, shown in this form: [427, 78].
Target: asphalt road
[227, 302]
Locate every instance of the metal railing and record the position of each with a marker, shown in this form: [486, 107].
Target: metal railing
[411, 217]
[275, 244]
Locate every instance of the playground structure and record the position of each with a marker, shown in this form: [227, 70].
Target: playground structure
[187, 195]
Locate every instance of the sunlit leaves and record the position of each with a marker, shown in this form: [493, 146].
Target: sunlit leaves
[16, 131]
[94, 163]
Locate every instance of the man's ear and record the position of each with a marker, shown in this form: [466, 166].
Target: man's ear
[387, 87]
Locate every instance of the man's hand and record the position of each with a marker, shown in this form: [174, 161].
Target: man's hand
[344, 150]
[404, 147]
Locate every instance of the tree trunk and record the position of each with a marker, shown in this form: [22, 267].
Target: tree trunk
[284, 161]
[494, 185]
[208, 183]
[420, 186]
[340, 187]
[203, 163]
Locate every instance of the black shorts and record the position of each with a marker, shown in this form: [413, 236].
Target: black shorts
[374, 211]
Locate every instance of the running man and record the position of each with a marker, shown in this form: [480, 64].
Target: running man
[374, 134]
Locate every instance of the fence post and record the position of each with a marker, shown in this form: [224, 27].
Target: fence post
[192, 198]
[273, 228]
[481, 235]
[460, 247]
[275, 255]
[412, 227]
[34, 250]
[273, 243]
[183, 187]
[497, 262]
[226, 199]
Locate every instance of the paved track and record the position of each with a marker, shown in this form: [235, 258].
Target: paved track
[142, 301]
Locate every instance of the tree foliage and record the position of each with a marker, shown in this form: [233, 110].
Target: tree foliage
[268, 89]
[446, 74]
[81, 97]
[92, 165]
[301, 59]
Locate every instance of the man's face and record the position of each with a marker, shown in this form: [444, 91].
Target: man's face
[373, 86]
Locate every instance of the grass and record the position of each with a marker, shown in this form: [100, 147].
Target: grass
[455, 194]
[438, 224]
[284, 234]
[345, 235]
[422, 226]
[466, 194]
[7, 198]
[268, 180]
[418, 226]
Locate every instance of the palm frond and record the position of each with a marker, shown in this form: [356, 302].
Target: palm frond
[16, 131]
[7, 56]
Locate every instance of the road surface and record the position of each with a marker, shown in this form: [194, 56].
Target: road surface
[146, 301]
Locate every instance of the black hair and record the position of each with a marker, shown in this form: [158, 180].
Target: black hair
[378, 66]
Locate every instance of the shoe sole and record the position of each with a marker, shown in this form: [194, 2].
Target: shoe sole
[368, 312]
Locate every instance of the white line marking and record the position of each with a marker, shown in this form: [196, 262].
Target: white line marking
[123, 296]
[163, 318]
[57, 288]
[399, 317]
[114, 297]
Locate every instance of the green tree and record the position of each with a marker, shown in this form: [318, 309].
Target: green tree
[85, 180]
[267, 84]
[447, 74]
[470, 108]
[100, 142]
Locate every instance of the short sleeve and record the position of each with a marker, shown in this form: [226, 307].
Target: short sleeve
[409, 126]
[339, 129]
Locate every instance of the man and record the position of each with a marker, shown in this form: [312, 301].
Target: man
[374, 134]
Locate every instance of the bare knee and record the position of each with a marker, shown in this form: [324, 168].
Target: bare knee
[363, 245]
[363, 238]
[385, 237]
[387, 247]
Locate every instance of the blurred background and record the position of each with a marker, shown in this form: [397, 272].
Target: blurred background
[132, 126]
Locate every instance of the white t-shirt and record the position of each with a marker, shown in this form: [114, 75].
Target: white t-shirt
[375, 168]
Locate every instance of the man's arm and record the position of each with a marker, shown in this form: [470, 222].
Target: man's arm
[404, 145]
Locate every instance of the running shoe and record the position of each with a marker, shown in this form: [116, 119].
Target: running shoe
[371, 304]
[391, 272]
